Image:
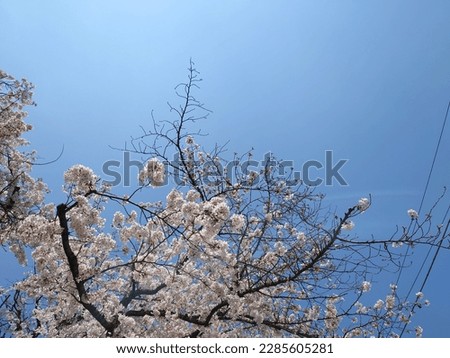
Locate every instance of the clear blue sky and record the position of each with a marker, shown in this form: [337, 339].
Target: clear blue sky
[369, 80]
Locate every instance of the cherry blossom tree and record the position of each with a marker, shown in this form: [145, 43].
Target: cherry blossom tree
[227, 253]
[21, 196]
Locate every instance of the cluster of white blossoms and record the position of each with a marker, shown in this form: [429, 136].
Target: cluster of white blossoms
[153, 173]
[332, 319]
[390, 302]
[348, 225]
[363, 204]
[252, 176]
[366, 286]
[237, 221]
[20, 194]
[413, 214]
[118, 219]
[80, 180]
[419, 331]
[190, 140]
[379, 304]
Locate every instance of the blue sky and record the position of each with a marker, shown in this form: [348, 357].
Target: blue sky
[368, 80]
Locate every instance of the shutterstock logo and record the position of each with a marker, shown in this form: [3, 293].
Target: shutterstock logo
[249, 171]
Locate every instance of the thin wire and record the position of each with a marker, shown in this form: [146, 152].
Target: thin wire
[435, 256]
[415, 224]
[435, 156]
[425, 260]
[427, 275]
[425, 193]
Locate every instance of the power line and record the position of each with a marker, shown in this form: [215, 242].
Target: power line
[425, 260]
[425, 191]
[415, 224]
[428, 273]
[434, 157]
